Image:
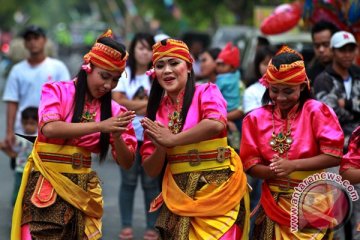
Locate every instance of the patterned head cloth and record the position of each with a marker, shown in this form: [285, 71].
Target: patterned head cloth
[105, 57]
[171, 48]
[291, 74]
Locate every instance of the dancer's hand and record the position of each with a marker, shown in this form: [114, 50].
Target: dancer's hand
[117, 124]
[281, 166]
[158, 133]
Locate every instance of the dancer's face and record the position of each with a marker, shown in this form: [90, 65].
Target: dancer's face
[101, 81]
[172, 74]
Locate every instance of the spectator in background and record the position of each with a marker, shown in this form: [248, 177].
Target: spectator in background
[208, 64]
[255, 90]
[228, 81]
[321, 34]
[21, 149]
[197, 42]
[23, 86]
[249, 70]
[262, 42]
[132, 92]
[339, 85]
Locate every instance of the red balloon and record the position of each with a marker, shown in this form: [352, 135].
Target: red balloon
[284, 18]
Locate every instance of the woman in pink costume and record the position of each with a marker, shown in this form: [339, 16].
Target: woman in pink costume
[350, 164]
[60, 196]
[288, 139]
[204, 190]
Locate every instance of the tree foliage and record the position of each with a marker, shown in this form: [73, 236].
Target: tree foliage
[203, 15]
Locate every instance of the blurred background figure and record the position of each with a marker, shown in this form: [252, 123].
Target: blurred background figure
[208, 65]
[339, 87]
[254, 89]
[228, 81]
[321, 33]
[23, 86]
[339, 84]
[197, 43]
[132, 92]
[22, 147]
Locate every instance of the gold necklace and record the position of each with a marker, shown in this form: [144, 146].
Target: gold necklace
[281, 142]
[175, 119]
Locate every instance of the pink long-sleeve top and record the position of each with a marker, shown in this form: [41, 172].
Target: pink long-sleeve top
[207, 103]
[315, 130]
[57, 103]
[352, 158]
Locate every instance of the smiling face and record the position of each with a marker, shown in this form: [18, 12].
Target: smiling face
[172, 74]
[101, 81]
[284, 96]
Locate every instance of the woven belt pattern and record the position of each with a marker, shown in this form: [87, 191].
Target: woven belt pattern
[284, 183]
[77, 160]
[194, 157]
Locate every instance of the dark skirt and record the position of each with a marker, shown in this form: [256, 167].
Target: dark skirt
[59, 221]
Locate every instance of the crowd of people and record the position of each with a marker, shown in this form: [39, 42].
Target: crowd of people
[219, 154]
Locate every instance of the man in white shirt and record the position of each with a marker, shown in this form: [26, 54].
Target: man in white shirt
[23, 86]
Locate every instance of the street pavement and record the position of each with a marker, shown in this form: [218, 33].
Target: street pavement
[110, 176]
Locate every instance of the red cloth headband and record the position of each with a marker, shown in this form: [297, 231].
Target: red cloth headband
[291, 74]
[172, 48]
[106, 57]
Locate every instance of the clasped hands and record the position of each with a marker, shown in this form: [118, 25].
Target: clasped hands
[281, 166]
[160, 135]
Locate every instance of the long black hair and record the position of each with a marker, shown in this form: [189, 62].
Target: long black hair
[81, 89]
[287, 58]
[139, 37]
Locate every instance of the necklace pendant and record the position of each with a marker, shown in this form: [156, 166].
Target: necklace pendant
[280, 143]
[174, 122]
[88, 117]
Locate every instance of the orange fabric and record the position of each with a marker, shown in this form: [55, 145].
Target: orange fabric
[44, 194]
[106, 57]
[291, 74]
[171, 48]
[215, 203]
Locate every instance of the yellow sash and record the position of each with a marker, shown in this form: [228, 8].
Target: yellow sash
[90, 202]
[214, 209]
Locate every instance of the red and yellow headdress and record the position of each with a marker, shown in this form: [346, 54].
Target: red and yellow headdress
[105, 57]
[291, 74]
[171, 48]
